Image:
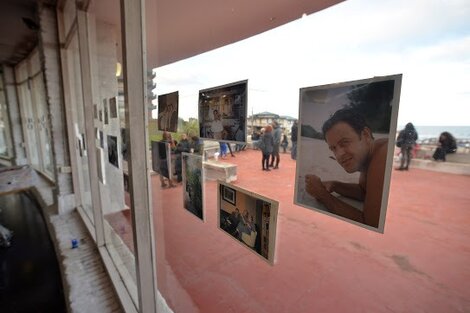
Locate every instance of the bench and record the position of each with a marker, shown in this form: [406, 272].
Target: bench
[215, 170]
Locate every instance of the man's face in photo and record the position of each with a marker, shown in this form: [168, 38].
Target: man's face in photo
[351, 150]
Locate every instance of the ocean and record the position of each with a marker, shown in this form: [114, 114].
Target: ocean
[428, 132]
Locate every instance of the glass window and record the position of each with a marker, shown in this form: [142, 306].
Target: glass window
[112, 141]
[34, 112]
[5, 137]
[27, 113]
[78, 119]
[211, 248]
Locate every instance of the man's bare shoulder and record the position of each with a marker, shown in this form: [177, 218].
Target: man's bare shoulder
[379, 155]
[380, 147]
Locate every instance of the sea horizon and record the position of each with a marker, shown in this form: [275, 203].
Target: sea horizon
[432, 131]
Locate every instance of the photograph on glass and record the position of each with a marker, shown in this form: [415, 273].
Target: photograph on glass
[222, 112]
[161, 159]
[345, 149]
[112, 107]
[124, 140]
[113, 151]
[193, 180]
[168, 112]
[100, 165]
[101, 135]
[249, 218]
[105, 111]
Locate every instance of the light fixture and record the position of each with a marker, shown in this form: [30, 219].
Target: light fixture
[118, 69]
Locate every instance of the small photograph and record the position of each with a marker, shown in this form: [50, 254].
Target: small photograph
[345, 149]
[124, 141]
[105, 112]
[80, 147]
[222, 112]
[249, 218]
[126, 182]
[101, 139]
[161, 159]
[113, 151]
[168, 112]
[193, 179]
[99, 165]
[83, 142]
[113, 107]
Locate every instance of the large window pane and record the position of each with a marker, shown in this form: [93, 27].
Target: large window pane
[5, 137]
[322, 264]
[78, 136]
[111, 144]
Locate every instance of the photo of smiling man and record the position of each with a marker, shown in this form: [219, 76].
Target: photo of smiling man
[346, 147]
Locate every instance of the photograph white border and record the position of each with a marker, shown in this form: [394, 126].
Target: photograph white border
[245, 111]
[390, 147]
[273, 221]
[191, 155]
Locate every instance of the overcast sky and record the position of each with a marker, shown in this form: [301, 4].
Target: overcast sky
[428, 41]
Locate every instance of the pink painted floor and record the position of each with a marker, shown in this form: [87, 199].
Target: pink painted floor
[420, 264]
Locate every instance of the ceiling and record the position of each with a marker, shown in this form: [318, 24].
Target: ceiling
[16, 38]
[176, 29]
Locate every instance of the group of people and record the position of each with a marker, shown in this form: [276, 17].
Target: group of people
[269, 143]
[236, 224]
[406, 141]
[193, 145]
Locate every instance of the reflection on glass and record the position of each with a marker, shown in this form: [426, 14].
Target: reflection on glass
[4, 123]
[111, 144]
[201, 269]
[76, 98]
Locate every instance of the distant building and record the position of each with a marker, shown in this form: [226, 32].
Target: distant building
[260, 120]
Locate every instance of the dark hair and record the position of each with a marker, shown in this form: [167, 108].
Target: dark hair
[348, 116]
[409, 127]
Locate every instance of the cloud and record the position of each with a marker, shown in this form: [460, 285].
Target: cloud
[428, 41]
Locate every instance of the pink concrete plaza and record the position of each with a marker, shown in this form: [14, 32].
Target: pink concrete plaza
[420, 264]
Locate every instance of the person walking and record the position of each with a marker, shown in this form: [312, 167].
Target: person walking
[266, 145]
[277, 133]
[293, 138]
[284, 143]
[406, 141]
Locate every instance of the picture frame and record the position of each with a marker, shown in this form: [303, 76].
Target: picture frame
[100, 165]
[161, 159]
[113, 107]
[105, 112]
[344, 130]
[193, 184]
[124, 145]
[222, 112]
[168, 112]
[113, 156]
[252, 222]
[101, 135]
[229, 195]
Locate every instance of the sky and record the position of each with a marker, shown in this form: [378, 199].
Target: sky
[428, 41]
